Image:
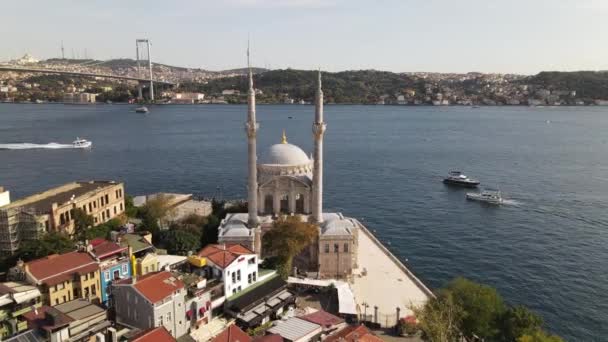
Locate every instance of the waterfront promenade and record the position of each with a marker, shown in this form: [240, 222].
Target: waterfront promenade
[382, 280]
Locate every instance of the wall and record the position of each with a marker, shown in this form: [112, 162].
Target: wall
[107, 276]
[246, 267]
[147, 264]
[173, 312]
[332, 264]
[60, 293]
[131, 308]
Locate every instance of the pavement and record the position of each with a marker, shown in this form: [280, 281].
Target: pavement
[208, 331]
[379, 281]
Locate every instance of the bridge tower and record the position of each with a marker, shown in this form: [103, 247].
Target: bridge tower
[149, 60]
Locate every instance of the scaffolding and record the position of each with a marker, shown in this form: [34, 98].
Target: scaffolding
[17, 224]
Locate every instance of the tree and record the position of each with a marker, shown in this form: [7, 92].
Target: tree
[103, 230]
[154, 211]
[130, 209]
[82, 222]
[50, 243]
[518, 321]
[482, 307]
[539, 336]
[288, 237]
[439, 318]
[179, 242]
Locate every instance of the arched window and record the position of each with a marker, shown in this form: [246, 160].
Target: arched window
[268, 201]
[300, 204]
[285, 204]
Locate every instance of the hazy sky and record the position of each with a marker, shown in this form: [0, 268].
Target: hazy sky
[522, 36]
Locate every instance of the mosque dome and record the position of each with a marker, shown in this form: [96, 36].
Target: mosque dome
[285, 154]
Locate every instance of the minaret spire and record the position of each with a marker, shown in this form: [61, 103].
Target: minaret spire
[318, 129]
[251, 127]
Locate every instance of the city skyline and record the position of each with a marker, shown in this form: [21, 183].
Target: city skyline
[522, 37]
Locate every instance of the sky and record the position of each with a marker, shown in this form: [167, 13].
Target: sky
[506, 36]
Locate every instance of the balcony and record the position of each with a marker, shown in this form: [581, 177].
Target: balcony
[21, 326]
[25, 309]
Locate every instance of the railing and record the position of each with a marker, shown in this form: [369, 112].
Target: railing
[26, 309]
[21, 326]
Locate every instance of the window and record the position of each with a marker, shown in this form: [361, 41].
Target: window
[106, 275]
[103, 215]
[56, 301]
[249, 278]
[233, 291]
[62, 219]
[95, 204]
[101, 200]
[95, 219]
[60, 286]
[346, 247]
[234, 277]
[251, 261]
[238, 275]
[93, 290]
[240, 289]
[90, 207]
[326, 248]
[125, 268]
[336, 248]
[120, 206]
[108, 213]
[255, 277]
[84, 208]
[114, 210]
[107, 199]
[86, 276]
[64, 299]
[168, 316]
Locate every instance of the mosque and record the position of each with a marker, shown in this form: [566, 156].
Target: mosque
[287, 182]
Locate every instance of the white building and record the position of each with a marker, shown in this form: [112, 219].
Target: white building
[235, 265]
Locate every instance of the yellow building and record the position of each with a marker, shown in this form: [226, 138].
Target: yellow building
[64, 277]
[53, 210]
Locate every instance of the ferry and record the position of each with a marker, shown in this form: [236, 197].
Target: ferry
[142, 109]
[81, 143]
[490, 196]
[458, 178]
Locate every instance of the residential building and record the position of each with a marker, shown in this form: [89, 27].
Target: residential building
[198, 299]
[232, 334]
[114, 264]
[296, 329]
[338, 246]
[159, 334]
[259, 304]
[16, 299]
[52, 210]
[75, 320]
[353, 333]
[64, 277]
[151, 301]
[187, 98]
[79, 98]
[328, 322]
[235, 265]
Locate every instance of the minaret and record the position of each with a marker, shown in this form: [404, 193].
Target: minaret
[251, 127]
[318, 129]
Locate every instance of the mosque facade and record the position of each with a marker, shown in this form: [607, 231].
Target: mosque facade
[286, 181]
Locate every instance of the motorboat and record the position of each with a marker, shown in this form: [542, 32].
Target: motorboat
[81, 143]
[491, 196]
[142, 109]
[460, 179]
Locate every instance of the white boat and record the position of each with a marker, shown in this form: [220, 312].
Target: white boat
[142, 109]
[491, 196]
[458, 178]
[81, 143]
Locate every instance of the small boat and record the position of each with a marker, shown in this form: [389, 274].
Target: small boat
[458, 178]
[142, 109]
[491, 196]
[290, 117]
[475, 107]
[81, 143]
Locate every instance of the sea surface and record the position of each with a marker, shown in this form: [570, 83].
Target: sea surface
[546, 248]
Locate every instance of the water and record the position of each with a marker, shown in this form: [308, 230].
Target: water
[545, 249]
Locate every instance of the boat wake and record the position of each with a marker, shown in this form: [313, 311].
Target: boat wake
[511, 202]
[28, 146]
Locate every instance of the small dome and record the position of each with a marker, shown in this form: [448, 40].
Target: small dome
[285, 154]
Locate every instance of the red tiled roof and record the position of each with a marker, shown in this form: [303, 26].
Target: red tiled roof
[353, 333]
[269, 338]
[323, 318]
[158, 286]
[223, 255]
[159, 334]
[56, 268]
[97, 241]
[106, 249]
[232, 334]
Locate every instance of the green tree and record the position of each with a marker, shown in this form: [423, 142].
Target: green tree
[179, 242]
[153, 212]
[130, 209]
[518, 321]
[82, 222]
[482, 307]
[288, 237]
[539, 336]
[439, 318]
[50, 243]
